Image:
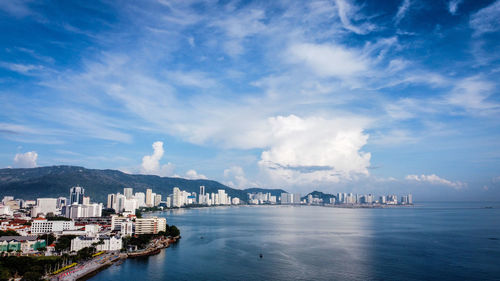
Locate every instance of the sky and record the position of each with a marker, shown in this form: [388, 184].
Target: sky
[376, 97]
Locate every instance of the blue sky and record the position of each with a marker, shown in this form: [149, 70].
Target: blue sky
[369, 97]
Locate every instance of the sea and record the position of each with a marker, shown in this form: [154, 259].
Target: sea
[429, 241]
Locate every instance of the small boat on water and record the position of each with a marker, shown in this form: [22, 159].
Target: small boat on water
[261, 255]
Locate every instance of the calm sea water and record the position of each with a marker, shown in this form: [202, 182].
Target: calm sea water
[432, 241]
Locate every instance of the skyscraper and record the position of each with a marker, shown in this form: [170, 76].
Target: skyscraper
[127, 191]
[76, 195]
[149, 194]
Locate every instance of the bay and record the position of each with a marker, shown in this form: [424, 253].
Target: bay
[430, 241]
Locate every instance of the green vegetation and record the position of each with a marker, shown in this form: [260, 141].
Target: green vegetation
[64, 243]
[8, 233]
[174, 231]
[30, 268]
[108, 212]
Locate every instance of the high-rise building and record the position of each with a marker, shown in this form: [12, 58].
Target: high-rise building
[128, 192]
[76, 195]
[44, 206]
[61, 201]
[86, 200]
[157, 200]
[111, 201]
[141, 199]
[410, 199]
[177, 198]
[149, 194]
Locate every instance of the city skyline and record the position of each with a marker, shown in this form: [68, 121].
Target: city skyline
[337, 96]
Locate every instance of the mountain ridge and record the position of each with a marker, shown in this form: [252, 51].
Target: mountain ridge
[55, 181]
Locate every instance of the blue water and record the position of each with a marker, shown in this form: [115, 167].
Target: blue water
[432, 241]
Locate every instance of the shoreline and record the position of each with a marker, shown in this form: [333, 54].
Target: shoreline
[93, 267]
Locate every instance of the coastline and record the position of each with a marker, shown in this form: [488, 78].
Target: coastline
[98, 264]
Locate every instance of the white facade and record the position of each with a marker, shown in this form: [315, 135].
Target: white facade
[141, 199]
[109, 243]
[41, 226]
[44, 206]
[151, 225]
[84, 210]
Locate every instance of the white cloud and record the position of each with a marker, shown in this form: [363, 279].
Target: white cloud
[402, 10]
[472, 94]
[314, 149]
[453, 6]
[346, 12]
[328, 60]
[193, 78]
[434, 179]
[151, 163]
[235, 177]
[25, 160]
[20, 68]
[192, 174]
[486, 19]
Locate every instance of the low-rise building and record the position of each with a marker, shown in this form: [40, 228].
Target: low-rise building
[41, 226]
[21, 243]
[101, 243]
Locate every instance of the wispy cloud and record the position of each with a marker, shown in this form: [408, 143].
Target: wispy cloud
[436, 180]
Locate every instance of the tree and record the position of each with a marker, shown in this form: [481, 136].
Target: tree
[138, 214]
[64, 242]
[32, 276]
[174, 231]
[9, 233]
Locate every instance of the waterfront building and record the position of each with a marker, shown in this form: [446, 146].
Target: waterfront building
[157, 200]
[176, 199]
[151, 225]
[41, 226]
[76, 195]
[296, 198]
[86, 200]
[235, 201]
[104, 243]
[286, 198]
[410, 199]
[383, 200]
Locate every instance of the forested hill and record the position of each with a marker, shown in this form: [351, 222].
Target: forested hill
[55, 181]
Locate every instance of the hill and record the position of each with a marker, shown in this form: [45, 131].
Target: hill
[318, 194]
[55, 181]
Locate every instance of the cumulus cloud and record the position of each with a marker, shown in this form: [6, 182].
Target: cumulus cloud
[436, 180]
[25, 160]
[151, 163]
[486, 19]
[235, 177]
[192, 174]
[315, 149]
